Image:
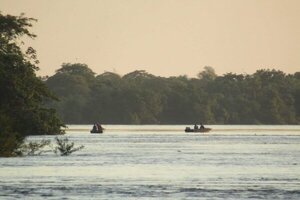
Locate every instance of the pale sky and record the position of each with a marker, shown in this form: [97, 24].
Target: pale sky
[164, 37]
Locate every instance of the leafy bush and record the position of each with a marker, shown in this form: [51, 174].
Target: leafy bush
[65, 147]
[33, 148]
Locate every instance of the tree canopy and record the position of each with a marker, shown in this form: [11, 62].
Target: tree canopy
[265, 97]
[23, 94]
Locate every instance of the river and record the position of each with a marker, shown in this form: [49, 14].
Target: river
[161, 162]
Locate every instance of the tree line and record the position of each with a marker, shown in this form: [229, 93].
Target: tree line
[30, 105]
[264, 97]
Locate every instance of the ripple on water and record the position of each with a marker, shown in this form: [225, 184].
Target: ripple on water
[230, 163]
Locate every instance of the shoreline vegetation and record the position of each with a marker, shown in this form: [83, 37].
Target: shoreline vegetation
[264, 97]
[23, 94]
[31, 105]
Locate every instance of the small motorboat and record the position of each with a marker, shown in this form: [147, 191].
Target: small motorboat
[97, 128]
[200, 130]
[96, 131]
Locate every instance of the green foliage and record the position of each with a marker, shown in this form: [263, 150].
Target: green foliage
[10, 141]
[207, 74]
[65, 147]
[76, 69]
[22, 93]
[265, 97]
[33, 148]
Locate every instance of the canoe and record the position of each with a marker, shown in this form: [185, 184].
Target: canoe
[200, 130]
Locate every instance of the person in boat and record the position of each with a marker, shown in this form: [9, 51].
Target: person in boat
[195, 126]
[95, 128]
[99, 126]
[201, 126]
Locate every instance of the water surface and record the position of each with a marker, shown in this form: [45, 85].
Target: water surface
[162, 162]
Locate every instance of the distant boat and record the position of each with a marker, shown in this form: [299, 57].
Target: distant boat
[97, 128]
[200, 130]
[95, 131]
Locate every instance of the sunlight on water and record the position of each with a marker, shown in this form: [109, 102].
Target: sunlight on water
[216, 129]
[162, 162]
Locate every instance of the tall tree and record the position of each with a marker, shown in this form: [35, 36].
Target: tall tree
[22, 110]
[72, 83]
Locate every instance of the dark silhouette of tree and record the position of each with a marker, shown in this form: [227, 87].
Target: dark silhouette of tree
[265, 97]
[22, 93]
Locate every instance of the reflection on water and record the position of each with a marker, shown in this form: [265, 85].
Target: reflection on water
[162, 162]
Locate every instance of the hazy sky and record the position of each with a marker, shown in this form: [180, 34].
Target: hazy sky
[164, 37]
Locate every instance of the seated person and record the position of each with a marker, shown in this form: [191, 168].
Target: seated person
[99, 127]
[95, 128]
[195, 126]
[201, 127]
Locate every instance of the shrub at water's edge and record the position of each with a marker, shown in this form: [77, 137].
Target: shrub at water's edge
[22, 110]
[63, 147]
[32, 148]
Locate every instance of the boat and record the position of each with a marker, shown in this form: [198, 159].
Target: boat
[97, 128]
[200, 130]
[95, 131]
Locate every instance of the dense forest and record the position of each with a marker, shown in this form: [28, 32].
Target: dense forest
[265, 97]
